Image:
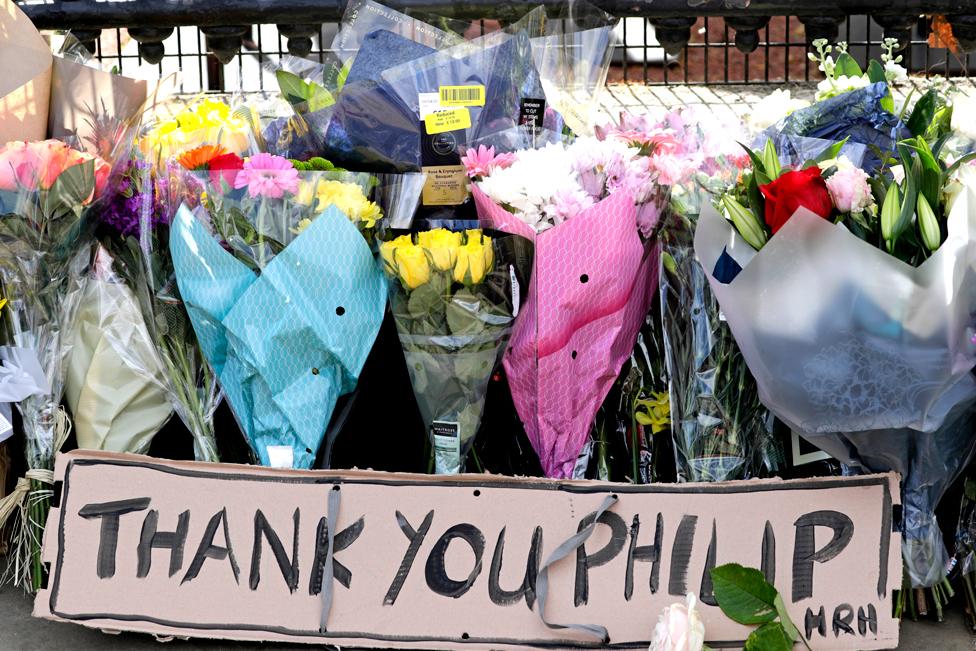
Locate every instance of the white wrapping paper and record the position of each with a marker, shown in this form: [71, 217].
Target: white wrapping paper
[862, 353]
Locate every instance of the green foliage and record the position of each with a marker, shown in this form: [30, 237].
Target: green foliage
[747, 598]
[301, 94]
[847, 66]
[743, 594]
[923, 113]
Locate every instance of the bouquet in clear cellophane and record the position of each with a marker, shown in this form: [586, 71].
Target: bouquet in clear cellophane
[454, 295]
[48, 191]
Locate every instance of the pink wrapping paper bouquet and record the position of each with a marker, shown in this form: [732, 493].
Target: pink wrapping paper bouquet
[591, 207]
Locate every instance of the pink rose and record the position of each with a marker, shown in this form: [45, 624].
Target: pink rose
[850, 190]
[37, 165]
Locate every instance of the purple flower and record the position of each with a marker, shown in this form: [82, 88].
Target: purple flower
[137, 201]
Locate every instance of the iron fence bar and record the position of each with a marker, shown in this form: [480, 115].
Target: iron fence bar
[92, 14]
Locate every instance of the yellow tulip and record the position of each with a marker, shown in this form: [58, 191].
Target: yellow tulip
[412, 265]
[474, 261]
[442, 245]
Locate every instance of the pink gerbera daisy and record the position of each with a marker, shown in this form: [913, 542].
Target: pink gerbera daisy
[266, 175]
[481, 161]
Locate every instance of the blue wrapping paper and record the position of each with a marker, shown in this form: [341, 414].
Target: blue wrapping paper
[377, 122]
[287, 343]
[856, 115]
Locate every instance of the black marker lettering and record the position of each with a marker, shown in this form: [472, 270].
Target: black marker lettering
[868, 620]
[684, 540]
[151, 539]
[584, 561]
[436, 572]
[843, 616]
[108, 534]
[768, 567]
[209, 550]
[416, 538]
[819, 621]
[707, 594]
[502, 597]
[342, 540]
[289, 568]
[646, 553]
[804, 554]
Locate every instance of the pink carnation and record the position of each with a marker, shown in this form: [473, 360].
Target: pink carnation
[266, 175]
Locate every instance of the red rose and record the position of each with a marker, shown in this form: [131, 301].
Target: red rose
[793, 190]
[226, 167]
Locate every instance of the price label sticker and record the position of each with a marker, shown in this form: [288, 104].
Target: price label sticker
[450, 120]
[462, 96]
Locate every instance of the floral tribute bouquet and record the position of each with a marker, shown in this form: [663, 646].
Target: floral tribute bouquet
[856, 106]
[200, 123]
[135, 231]
[290, 250]
[852, 297]
[720, 429]
[47, 194]
[591, 209]
[454, 296]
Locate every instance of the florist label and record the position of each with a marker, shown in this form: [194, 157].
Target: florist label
[361, 559]
[447, 120]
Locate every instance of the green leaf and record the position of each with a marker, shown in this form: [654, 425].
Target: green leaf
[758, 166]
[923, 113]
[319, 98]
[960, 161]
[769, 637]
[343, 74]
[74, 185]
[423, 301]
[832, 151]
[876, 72]
[784, 618]
[293, 88]
[743, 594]
[463, 314]
[846, 65]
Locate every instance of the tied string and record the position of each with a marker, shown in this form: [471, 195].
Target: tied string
[565, 549]
[328, 571]
[16, 501]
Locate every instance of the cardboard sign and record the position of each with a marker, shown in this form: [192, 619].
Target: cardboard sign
[368, 559]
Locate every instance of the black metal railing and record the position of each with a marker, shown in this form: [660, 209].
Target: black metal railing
[660, 42]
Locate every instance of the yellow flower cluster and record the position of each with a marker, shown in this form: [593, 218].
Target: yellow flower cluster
[347, 197]
[208, 122]
[654, 412]
[467, 256]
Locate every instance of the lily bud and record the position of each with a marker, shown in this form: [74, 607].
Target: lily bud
[928, 224]
[745, 222]
[890, 210]
[771, 161]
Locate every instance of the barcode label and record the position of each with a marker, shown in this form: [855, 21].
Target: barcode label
[462, 95]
